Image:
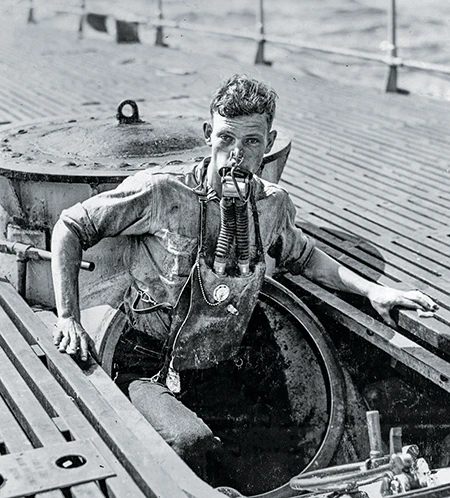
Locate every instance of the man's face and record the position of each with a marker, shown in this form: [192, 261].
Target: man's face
[247, 135]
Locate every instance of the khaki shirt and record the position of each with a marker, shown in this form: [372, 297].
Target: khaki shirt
[159, 213]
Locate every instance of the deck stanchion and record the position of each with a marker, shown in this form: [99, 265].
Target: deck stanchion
[259, 58]
[82, 17]
[159, 41]
[31, 19]
[392, 39]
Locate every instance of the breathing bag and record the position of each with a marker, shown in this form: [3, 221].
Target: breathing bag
[219, 310]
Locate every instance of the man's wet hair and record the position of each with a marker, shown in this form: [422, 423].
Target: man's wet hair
[244, 96]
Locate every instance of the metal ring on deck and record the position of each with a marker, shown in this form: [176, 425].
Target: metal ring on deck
[134, 118]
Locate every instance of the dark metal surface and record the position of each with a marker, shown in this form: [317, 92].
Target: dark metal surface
[100, 144]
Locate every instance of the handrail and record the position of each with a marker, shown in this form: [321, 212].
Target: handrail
[360, 54]
[391, 59]
[424, 66]
[278, 40]
[81, 12]
[27, 252]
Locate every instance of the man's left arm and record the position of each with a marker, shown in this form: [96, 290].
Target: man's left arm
[324, 270]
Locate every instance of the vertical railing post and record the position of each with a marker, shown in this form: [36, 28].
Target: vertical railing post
[22, 264]
[82, 17]
[259, 58]
[392, 39]
[31, 18]
[159, 41]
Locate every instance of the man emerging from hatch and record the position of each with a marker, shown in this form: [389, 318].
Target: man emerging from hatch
[197, 240]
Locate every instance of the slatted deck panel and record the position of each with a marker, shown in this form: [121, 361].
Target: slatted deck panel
[36, 412]
[369, 172]
[370, 178]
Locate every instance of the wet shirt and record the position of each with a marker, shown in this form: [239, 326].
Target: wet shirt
[159, 213]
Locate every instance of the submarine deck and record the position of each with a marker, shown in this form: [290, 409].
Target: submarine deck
[368, 171]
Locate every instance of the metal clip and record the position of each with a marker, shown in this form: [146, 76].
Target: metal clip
[145, 297]
[173, 381]
[231, 309]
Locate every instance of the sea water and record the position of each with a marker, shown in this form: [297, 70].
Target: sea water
[423, 33]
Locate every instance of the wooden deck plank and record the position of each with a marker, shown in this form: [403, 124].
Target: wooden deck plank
[362, 261]
[361, 186]
[423, 247]
[348, 127]
[13, 437]
[388, 259]
[396, 345]
[70, 80]
[16, 441]
[38, 102]
[366, 199]
[356, 127]
[344, 216]
[30, 413]
[430, 330]
[371, 164]
[368, 225]
[392, 255]
[395, 111]
[393, 153]
[408, 177]
[22, 96]
[364, 172]
[304, 161]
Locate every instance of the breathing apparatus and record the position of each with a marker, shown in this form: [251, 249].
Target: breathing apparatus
[236, 191]
[215, 305]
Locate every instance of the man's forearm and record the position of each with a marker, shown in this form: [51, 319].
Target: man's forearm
[66, 260]
[323, 269]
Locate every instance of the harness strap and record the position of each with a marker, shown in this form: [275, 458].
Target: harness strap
[259, 244]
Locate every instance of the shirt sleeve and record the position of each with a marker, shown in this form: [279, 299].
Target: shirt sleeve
[129, 209]
[292, 248]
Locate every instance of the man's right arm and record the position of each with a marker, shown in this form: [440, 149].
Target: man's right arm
[70, 336]
[125, 210]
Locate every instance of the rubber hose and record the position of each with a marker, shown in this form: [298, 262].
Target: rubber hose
[242, 236]
[227, 229]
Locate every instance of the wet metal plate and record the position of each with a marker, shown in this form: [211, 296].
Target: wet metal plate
[52, 467]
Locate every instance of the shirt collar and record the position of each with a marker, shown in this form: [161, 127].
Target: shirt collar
[202, 187]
